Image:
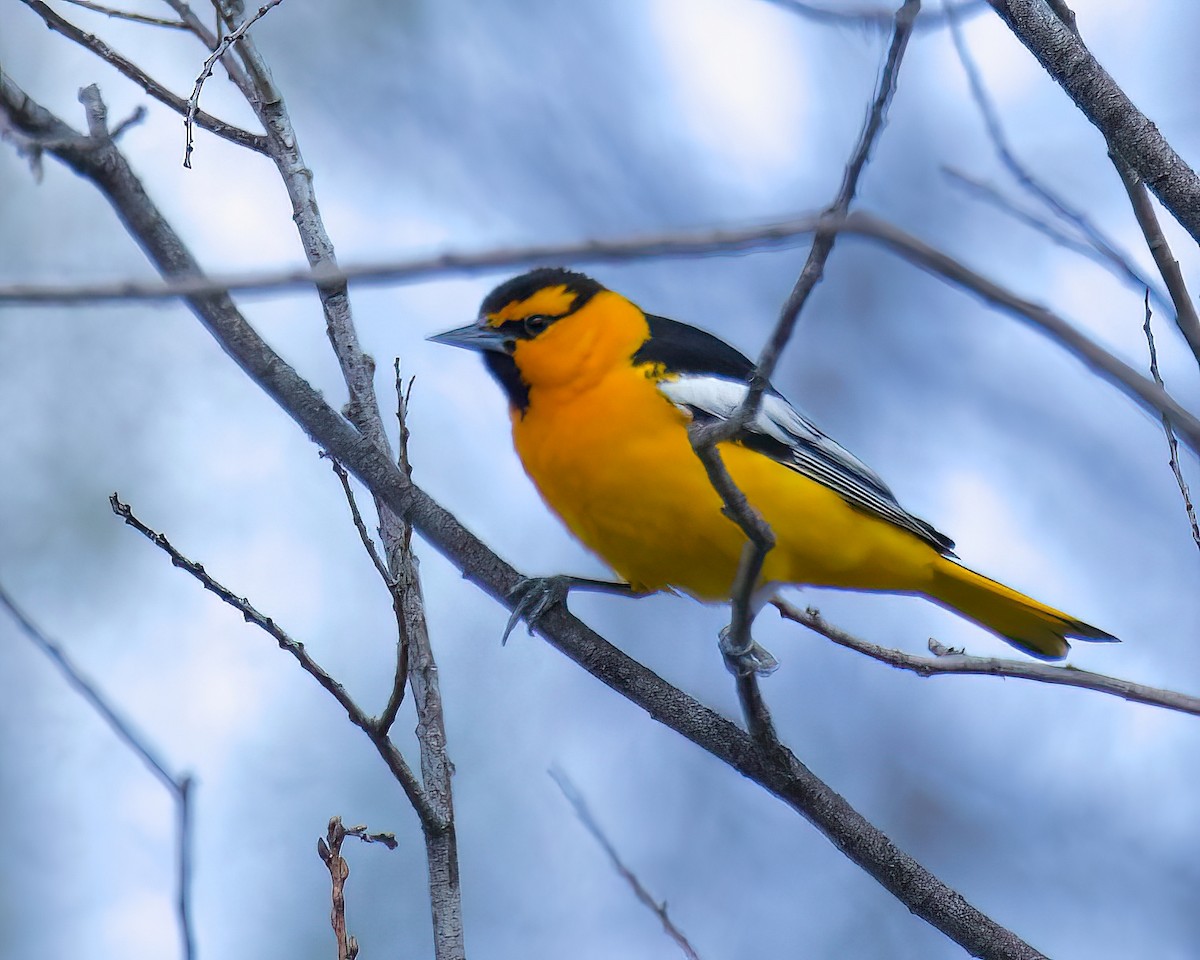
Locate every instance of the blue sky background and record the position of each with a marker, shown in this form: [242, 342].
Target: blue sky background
[1068, 816]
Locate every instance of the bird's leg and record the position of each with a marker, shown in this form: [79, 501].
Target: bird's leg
[533, 596]
[745, 659]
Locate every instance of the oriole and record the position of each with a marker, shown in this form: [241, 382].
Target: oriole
[601, 395]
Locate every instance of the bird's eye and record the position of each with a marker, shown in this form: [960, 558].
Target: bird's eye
[536, 324]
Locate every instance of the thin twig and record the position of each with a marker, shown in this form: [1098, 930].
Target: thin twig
[1144, 391]
[193, 102]
[705, 438]
[1049, 33]
[585, 816]
[359, 525]
[1107, 251]
[254, 141]
[329, 849]
[1143, 209]
[396, 763]
[946, 661]
[179, 787]
[1169, 430]
[116, 14]
[876, 18]
[211, 41]
[1123, 270]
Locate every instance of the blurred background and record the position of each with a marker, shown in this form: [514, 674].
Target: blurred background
[1068, 816]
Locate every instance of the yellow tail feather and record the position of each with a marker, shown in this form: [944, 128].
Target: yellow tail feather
[1034, 627]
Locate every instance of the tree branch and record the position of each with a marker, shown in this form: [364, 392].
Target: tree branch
[743, 655]
[1185, 310]
[113, 13]
[254, 141]
[776, 769]
[396, 763]
[946, 661]
[414, 651]
[877, 18]
[1128, 132]
[179, 787]
[1169, 430]
[223, 47]
[644, 896]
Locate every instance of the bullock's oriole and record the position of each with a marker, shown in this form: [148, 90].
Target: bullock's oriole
[601, 395]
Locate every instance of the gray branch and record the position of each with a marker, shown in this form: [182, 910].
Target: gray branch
[1127, 131]
[179, 787]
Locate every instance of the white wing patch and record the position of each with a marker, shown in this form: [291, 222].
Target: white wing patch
[784, 434]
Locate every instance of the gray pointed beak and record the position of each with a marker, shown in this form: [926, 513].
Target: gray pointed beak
[474, 337]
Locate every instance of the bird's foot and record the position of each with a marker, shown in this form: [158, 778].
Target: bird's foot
[746, 659]
[533, 596]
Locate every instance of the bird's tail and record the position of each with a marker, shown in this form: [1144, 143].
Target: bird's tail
[1022, 621]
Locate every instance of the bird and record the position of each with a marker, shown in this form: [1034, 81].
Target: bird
[601, 396]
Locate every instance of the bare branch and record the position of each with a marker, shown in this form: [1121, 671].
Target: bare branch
[254, 141]
[1145, 392]
[775, 768]
[113, 13]
[179, 787]
[391, 756]
[329, 849]
[1185, 310]
[364, 536]
[211, 41]
[579, 805]
[1122, 269]
[690, 244]
[1107, 252]
[414, 652]
[1051, 37]
[876, 18]
[193, 102]
[742, 653]
[946, 661]
[1169, 430]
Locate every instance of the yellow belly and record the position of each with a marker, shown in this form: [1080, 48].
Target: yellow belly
[616, 465]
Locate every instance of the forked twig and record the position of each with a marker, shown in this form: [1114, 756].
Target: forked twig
[225, 43]
[387, 750]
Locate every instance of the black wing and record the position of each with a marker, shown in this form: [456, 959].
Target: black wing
[709, 379]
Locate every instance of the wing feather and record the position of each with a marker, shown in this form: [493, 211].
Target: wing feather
[787, 436]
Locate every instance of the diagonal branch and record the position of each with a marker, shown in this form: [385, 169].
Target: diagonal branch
[1129, 133]
[387, 750]
[776, 769]
[946, 661]
[644, 896]
[179, 787]
[1143, 209]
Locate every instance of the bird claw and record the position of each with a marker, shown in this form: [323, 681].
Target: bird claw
[748, 659]
[533, 596]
